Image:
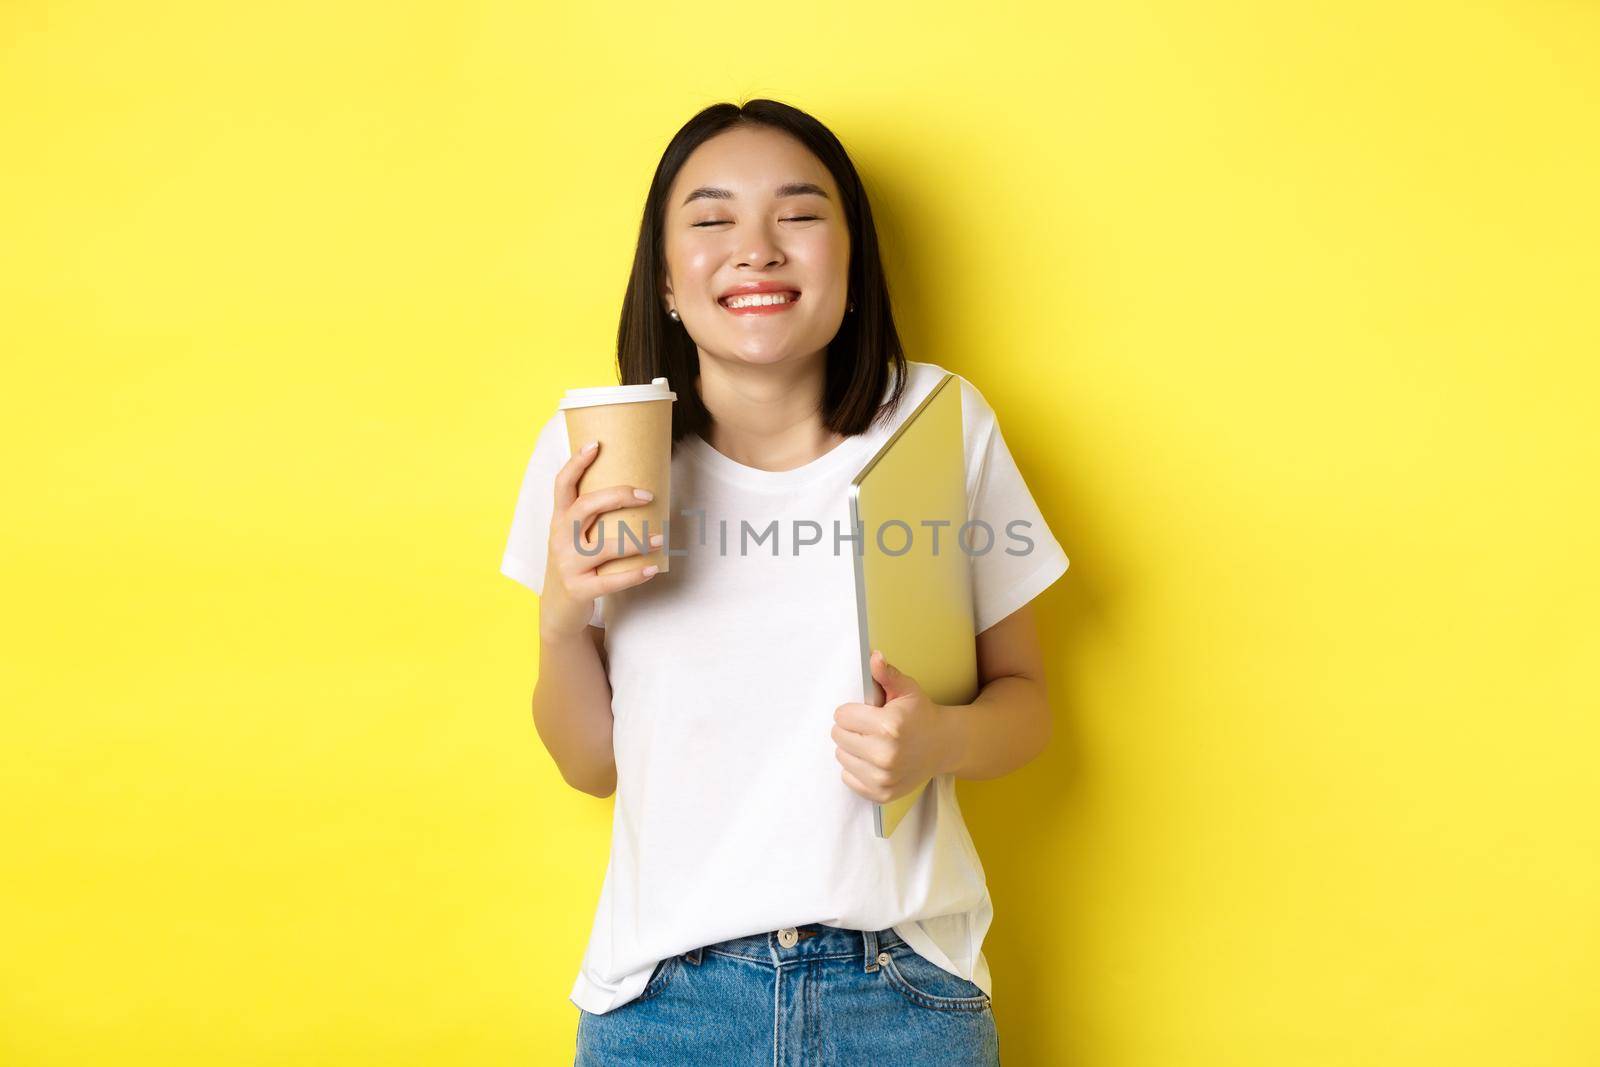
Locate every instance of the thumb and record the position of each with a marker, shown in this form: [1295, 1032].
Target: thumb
[894, 681]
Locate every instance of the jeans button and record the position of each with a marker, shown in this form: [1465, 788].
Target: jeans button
[788, 936]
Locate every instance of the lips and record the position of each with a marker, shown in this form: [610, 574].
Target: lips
[794, 298]
[763, 310]
[753, 288]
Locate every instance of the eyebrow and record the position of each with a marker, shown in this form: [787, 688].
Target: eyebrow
[711, 192]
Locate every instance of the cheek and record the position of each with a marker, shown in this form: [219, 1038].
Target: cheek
[690, 259]
[698, 262]
[825, 256]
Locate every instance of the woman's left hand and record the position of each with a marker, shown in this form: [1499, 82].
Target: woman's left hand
[886, 752]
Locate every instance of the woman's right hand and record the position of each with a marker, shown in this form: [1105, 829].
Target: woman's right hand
[570, 581]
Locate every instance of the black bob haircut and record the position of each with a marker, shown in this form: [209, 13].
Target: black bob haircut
[862, 357]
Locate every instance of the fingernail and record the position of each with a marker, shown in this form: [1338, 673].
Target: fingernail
[656, 540]
[651, 570]
[591, 446]
[644, 494]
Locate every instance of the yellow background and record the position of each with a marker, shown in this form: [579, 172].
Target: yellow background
[1290, 319]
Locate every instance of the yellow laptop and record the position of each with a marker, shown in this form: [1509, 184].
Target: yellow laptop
[913, 578]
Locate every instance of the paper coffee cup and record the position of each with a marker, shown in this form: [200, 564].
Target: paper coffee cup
[633, 424]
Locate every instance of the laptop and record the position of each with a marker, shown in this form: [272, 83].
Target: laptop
[913, 579]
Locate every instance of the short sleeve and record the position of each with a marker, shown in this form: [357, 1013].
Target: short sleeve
[528, 543]
[1023, 558]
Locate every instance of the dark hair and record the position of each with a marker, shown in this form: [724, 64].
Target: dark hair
[863, 355]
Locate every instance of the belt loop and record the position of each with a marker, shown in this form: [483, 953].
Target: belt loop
[869, 939]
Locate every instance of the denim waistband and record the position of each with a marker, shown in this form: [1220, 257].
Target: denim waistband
[810, 941]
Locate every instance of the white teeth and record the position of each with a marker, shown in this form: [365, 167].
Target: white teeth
[757, 300]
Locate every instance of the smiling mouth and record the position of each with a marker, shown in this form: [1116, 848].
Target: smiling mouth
[760, 301]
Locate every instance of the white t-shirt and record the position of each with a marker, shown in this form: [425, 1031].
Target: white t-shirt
[730, 814]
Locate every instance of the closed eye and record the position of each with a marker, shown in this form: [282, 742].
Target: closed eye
[792, 218]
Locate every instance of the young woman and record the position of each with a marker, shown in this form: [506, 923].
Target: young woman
[748, 913]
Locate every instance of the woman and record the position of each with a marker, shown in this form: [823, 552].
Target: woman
[748, 913]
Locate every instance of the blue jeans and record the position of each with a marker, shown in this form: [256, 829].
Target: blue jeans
[811, 996]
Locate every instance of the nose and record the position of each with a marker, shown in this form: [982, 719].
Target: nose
[761, 252]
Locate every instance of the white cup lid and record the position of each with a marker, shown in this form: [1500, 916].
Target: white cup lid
[616, 394]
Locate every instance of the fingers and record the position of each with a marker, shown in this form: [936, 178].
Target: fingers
[580, 569]
[620, 546]
[856, 784]
[876, 752]
[586, 507]
[598, 585]
[570, 507]
[584, 566]
[610, 583]
[582, 581]
[874, 783]
[576, 514]
[612, 546]
[894, 681]
[570, 528]
[571, 471]
[859, 718]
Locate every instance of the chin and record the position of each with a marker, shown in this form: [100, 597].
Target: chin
[762, 357]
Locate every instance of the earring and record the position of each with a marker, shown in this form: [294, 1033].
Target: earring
[672, 313]
[852, 306]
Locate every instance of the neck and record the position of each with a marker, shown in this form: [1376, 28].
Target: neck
[766, 416]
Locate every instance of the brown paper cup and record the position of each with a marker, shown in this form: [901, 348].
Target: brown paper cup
[635, 438]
